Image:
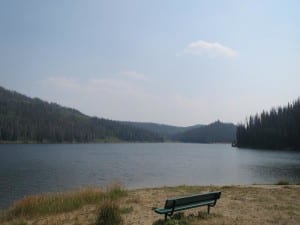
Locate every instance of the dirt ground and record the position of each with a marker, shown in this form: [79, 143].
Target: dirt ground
[240, 205]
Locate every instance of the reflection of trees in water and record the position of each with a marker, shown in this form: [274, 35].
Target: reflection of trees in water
[273, 174]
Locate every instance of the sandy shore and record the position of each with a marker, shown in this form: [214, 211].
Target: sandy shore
[249, 205]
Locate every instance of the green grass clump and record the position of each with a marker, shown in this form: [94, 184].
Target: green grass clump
[282, 182]
[109, 214]
[126, 210]
[54, 203]
[115, 190]
[18, 222]
[176, 219]
[180, 218]
[184, 221]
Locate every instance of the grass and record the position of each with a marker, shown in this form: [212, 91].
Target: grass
[282, 182]
[54, 203]
[115, 190]
[19, 222]
[109, 214]
[182, 219]
[126, 210]
[47, 204]
[242, 205]
[192, 189]
[176, 219]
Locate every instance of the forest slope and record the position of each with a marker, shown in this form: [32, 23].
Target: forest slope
[24, 119]
[277, 129]
[212, 133]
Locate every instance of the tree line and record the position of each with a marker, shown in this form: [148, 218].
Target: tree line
[24, 119]
[278, 128]
[216, 132]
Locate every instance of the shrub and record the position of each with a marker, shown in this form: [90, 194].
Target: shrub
[109, 214]
[282, 182]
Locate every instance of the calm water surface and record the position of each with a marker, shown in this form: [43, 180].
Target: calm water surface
[30, 169]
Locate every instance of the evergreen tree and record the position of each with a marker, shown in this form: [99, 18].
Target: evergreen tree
[277, 129]
[25, 119]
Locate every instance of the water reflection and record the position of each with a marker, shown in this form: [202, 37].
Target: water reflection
[30, 169]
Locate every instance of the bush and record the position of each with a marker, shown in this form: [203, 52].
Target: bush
[282, 182]
[109, 214]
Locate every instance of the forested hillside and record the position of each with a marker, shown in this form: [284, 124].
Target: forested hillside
[166, 131]
[24, 119]
[277, 129]
[212, 133]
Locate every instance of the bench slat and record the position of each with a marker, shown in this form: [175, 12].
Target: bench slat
[187, 202]
[193, 205]
[179, 208]
[192, 199]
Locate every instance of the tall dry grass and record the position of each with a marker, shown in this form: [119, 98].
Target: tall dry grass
[109, 214]
[54, 203]
[115, 190]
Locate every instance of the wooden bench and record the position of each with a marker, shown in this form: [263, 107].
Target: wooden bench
[187, 202]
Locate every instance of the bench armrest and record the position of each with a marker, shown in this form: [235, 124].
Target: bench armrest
[215, 202]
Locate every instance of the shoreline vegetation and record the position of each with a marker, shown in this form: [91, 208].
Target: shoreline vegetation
[113, 204]
[275, 129]
[32, 120]
[105, 141]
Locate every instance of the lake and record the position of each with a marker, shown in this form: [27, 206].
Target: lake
[33, 168]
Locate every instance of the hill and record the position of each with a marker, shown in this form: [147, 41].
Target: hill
[277, 129]
[166, 131]
[212, 133]
[25, 119]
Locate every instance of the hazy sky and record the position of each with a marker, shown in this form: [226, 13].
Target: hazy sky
[174, 62]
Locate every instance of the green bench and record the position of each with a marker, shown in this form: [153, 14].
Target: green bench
[188, 202]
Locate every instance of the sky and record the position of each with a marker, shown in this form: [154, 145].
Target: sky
[172, 62]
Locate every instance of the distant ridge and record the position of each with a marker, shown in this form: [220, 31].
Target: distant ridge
[212, 133]
[24, 119]
[32, 120]
[167, 131]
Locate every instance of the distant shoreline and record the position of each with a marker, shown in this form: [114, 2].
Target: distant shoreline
[104, 142]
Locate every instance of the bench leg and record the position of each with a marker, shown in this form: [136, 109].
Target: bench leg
[166, 215]
[208, 209]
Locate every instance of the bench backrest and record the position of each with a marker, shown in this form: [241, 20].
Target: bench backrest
[192, 199]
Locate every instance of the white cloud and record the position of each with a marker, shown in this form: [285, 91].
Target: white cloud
[211, 49]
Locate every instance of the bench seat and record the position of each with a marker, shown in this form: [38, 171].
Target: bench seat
[188, 202]
[179, 208]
